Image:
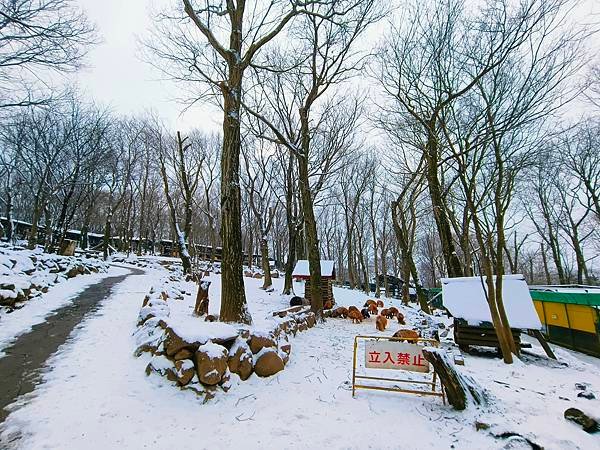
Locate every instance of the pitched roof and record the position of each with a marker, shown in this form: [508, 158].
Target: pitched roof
[301, 269]
[465, 298]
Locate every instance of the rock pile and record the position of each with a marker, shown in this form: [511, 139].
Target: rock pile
[25, 274]
[204, 358]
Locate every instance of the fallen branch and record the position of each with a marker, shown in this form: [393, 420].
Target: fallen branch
[246, 419]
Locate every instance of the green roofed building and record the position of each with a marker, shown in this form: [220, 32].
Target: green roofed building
[570, 316]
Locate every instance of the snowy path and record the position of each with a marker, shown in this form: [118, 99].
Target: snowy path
[28, 353]
[36, 310]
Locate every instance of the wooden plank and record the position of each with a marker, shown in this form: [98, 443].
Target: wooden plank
[538, 335]
[485, 338]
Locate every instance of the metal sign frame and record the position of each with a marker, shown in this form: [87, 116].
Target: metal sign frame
[431, 383]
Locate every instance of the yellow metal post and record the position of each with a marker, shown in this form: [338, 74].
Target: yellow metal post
[354, 365]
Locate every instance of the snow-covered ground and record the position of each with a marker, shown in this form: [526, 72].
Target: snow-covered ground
[261, 304]
[46, 277]
[96, 395]
[34, 311]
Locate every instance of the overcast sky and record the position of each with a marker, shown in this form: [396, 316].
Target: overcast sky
[117, 77]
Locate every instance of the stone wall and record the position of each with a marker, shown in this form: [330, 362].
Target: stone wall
[207, 361]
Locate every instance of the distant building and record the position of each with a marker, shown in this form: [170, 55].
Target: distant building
[301, 272]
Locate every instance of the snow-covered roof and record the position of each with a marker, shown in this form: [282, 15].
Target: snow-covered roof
[465, 299]
[301, 269]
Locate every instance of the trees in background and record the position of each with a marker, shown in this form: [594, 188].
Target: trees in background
[465, 171]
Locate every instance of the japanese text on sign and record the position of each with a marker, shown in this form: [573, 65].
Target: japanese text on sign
[395, 355]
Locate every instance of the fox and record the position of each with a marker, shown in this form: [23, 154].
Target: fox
[355, 316]
[380, 323]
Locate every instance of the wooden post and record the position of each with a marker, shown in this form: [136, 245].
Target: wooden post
[538, 335]
[201, 307]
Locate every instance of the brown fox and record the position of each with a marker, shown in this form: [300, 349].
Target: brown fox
[355, 316]
[380, 323]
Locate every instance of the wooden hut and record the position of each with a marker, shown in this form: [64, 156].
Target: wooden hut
[301, 272]
[465, 299]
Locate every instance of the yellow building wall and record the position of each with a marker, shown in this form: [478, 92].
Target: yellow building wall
[582, 318]
[556, 314]
[540, 311]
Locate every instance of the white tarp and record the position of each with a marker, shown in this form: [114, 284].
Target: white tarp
[301, 269]
[465, 299]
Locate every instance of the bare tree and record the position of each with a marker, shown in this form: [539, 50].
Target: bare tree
[37, 36]
[429, 63]
[181, 162]
[326, 38]
[194, 48]
[259, 182]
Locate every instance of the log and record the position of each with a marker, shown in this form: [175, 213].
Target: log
[460, 388]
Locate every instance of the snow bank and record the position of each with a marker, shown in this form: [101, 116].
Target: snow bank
[196, 330]
[29, 273]
[168, 328]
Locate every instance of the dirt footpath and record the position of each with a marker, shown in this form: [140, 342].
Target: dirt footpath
[20, 368]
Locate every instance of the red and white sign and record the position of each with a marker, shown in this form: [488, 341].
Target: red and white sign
[395, 355]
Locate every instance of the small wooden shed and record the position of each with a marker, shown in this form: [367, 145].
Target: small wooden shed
[301, 272]
[465, 300]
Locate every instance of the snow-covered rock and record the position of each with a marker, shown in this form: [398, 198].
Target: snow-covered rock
[211, 363]
[240, 359]
[27, 273]
[268, 362]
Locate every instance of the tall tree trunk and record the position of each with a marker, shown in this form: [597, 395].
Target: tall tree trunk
[233, 295]
[106, 238]
[264, 259]
[545, 263]
[37, 213]
[375, 254]
[406, 284]
[250, 247]
[291, 227]
[9, 207]
[141, 223]
[489, 287]
[557, 258]
[363, 264]
[310, 223]
[582, 272]
[48, 228]
[350, 250]
[440, 209]
[184, 255]
[289, 264]
[386, 284]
